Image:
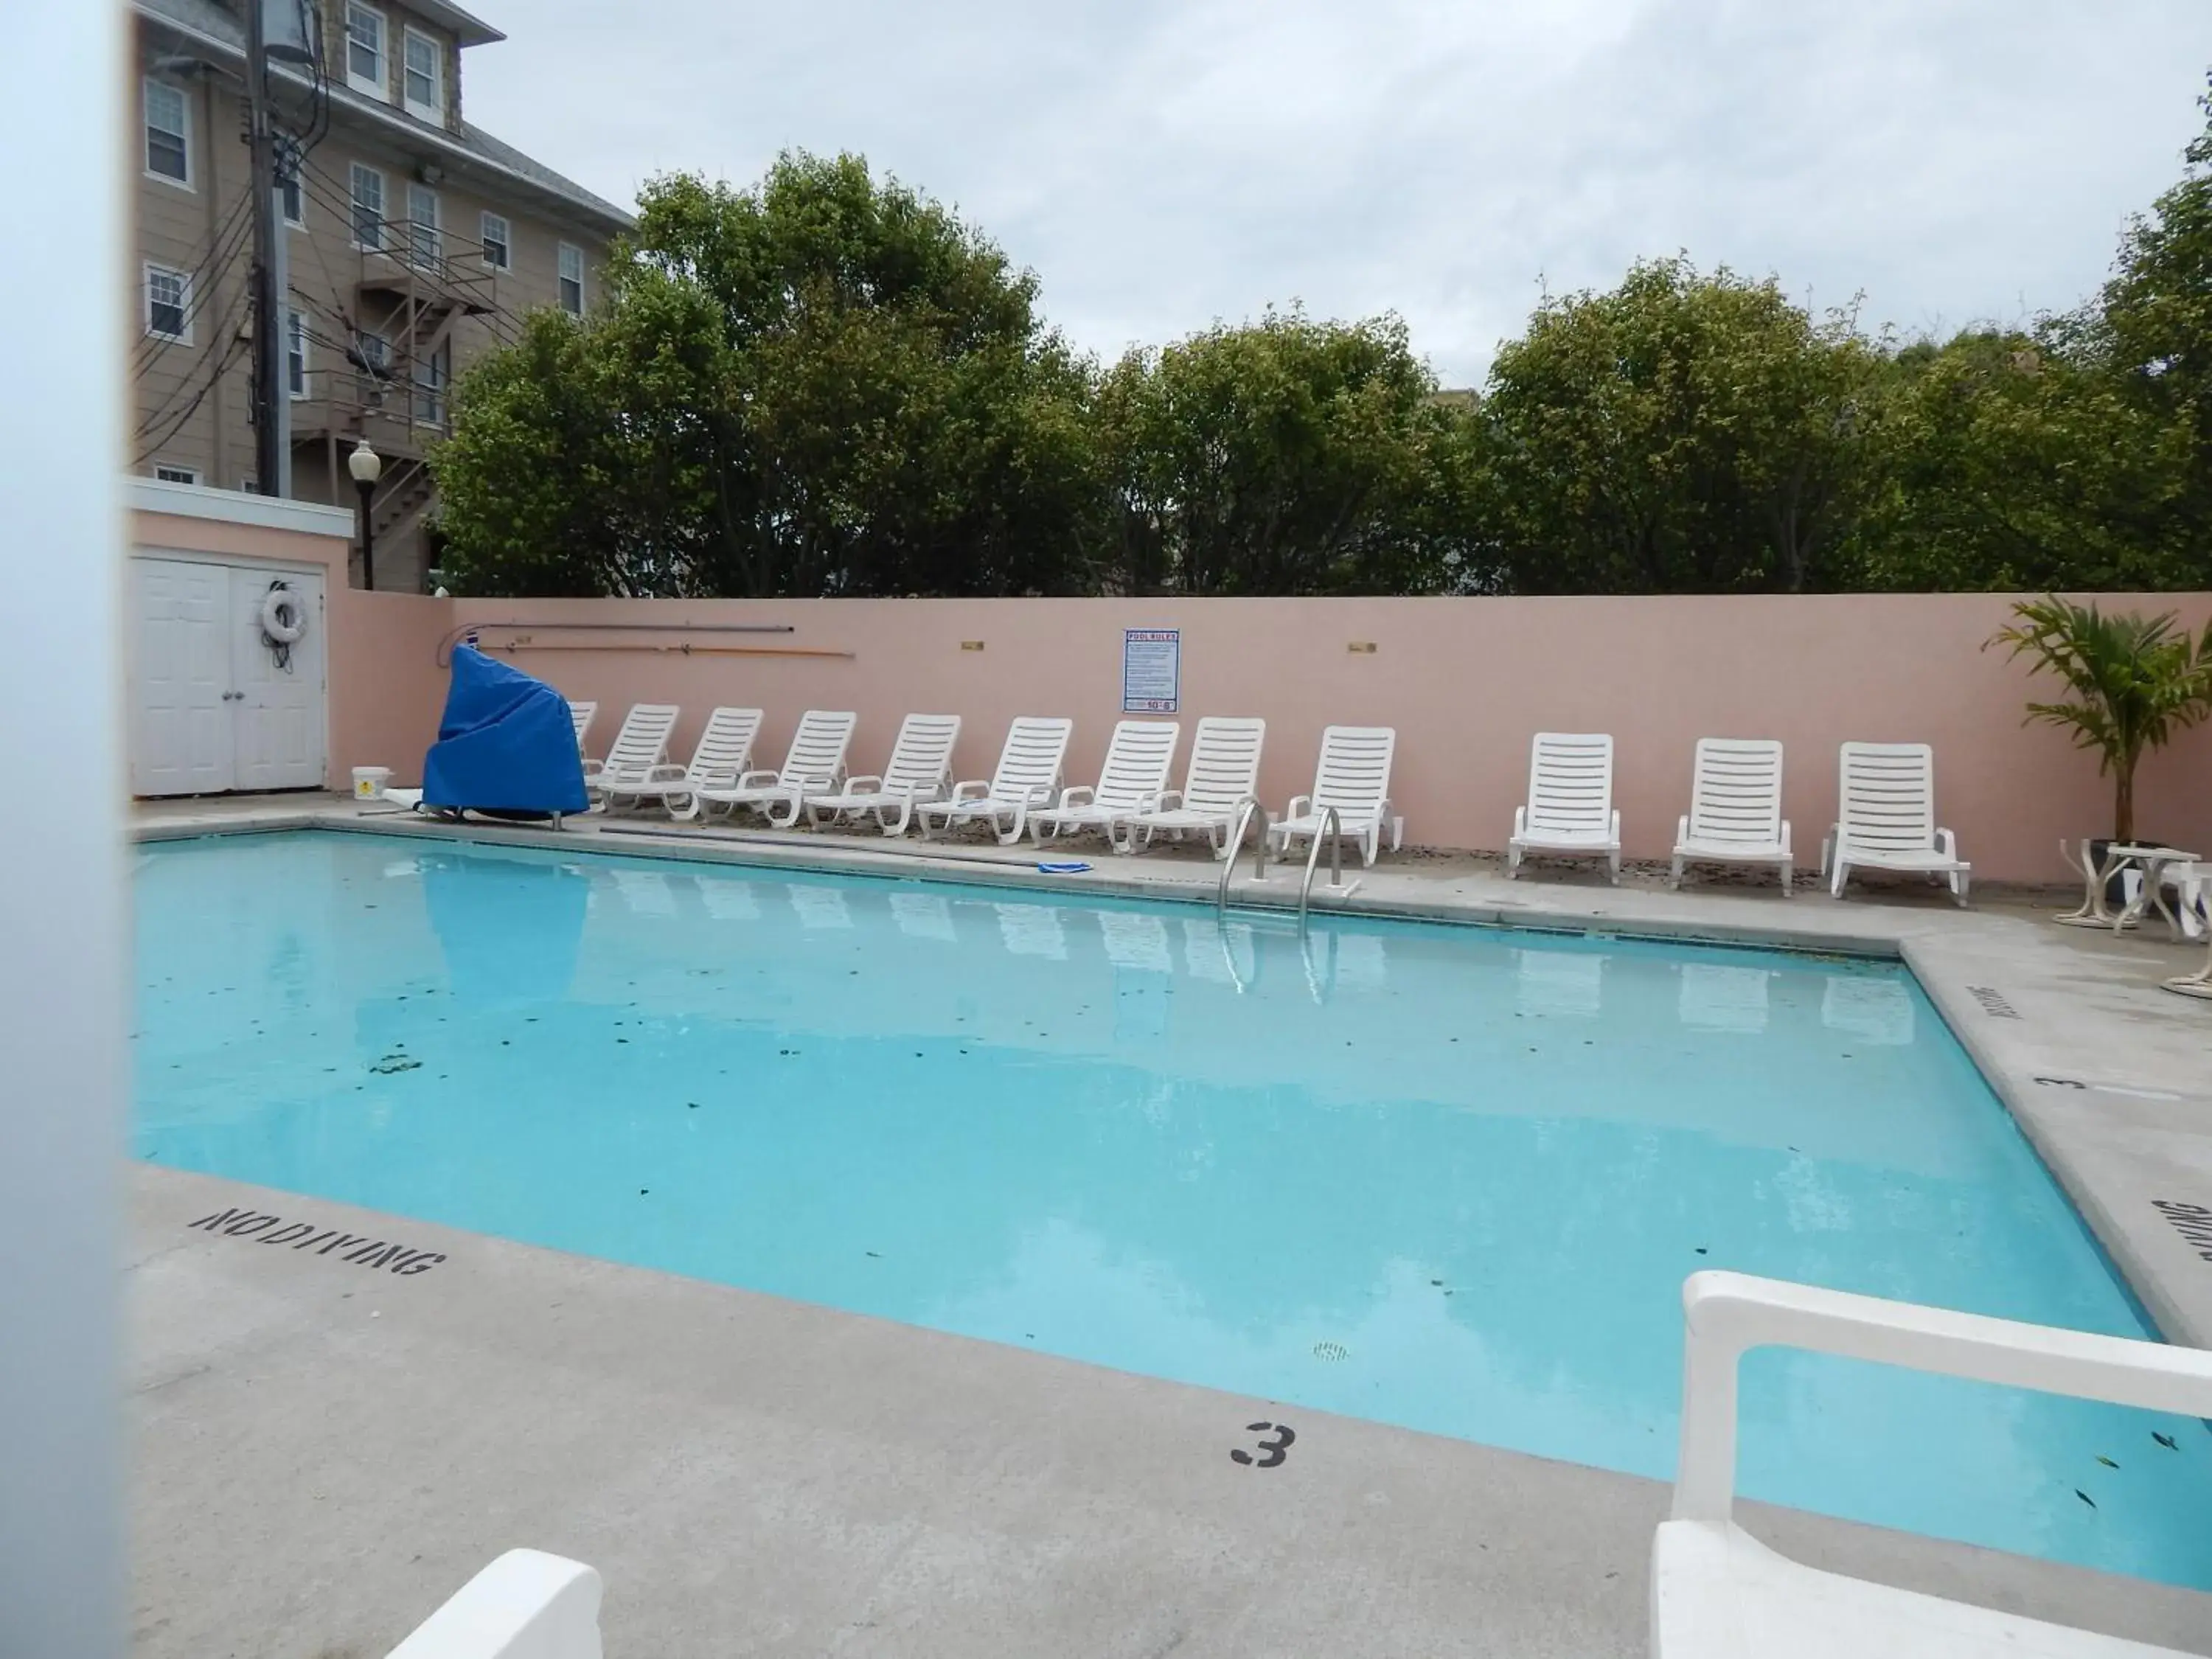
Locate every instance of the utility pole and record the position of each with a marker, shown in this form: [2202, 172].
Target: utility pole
[271, 407]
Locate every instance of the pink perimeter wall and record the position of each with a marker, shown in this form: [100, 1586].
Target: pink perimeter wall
[1465, 682]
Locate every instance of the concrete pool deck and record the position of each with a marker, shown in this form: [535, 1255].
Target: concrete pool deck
[325, 1451]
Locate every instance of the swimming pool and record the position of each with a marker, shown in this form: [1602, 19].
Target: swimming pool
[1445, 1177]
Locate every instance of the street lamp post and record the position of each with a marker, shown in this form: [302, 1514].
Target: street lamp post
[367, 467]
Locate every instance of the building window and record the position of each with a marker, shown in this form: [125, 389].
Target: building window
[367, 206]
[295, 353]
[168, 134]
[572, 279]
[249, 485]
[364, 29]
[497, 249]
[176, 475]
[295, 199]
[168, 304]
[431, 376]
[423, 78]
[424, 244]
[372, 354]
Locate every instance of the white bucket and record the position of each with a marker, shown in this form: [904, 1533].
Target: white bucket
[368, 781]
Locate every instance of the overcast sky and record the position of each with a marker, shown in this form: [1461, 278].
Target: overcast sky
[1162, 165]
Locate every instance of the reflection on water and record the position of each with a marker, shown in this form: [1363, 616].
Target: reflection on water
[1723, 999]
[1878, 1010]
[1470, 1166]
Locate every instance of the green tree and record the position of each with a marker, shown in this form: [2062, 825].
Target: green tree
[1283, 457]
[822, 385]
[1683, 433]
[2150, 330]
[2006, 463]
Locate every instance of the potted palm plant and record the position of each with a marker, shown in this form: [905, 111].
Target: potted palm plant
[2134, 682]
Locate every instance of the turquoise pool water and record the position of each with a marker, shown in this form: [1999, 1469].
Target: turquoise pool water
[1443, 1177]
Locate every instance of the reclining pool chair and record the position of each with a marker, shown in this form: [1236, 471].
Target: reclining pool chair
[1570, 810]
[639, 746]
[1886, 818]
[1735, 808]
[815, 764]
[1028, 778]
[1132, 780]
[1223, 774]
[920, 770]
[718, 759]
[1353, 776]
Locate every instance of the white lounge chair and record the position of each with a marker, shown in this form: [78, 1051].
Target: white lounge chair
[718, 759]
[1570, 808]
[526, 1605]
[583, 714]
[1886, 818]
[1028, 777]
[815, 764]
[641, 745]
[919, 769]
[1224, 773]
[1718, 1593]
[1353, 776]
[1132, 780]
[1735, 808]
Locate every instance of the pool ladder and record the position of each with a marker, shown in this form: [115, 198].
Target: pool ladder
[1331, 832]
[1247, 810]
[1250, 813]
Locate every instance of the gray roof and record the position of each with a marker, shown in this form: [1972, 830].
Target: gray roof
[213, 23]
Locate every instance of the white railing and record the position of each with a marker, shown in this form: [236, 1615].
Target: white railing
[1248, 810]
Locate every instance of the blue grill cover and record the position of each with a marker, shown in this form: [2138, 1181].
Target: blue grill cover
[507, 744]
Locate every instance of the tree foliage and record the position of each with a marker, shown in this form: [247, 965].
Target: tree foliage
[1288, 457]
[1683, 433]
[829, 384]
[826, 384]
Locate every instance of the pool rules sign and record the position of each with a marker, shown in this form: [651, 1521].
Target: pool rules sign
[1152, 670]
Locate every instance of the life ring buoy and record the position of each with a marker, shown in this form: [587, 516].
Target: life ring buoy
[283, 618]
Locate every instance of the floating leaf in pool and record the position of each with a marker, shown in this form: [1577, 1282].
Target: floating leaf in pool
[397, 1062]
[1331, 1351]
[2165, 1440]
[2085, 1497]
[2106, 1462]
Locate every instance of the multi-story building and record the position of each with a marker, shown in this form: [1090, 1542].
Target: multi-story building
[413, 240]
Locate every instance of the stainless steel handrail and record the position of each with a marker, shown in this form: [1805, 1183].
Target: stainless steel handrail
[1247, 810]
[1331, 828]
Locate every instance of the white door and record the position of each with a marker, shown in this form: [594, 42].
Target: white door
[277, 692]
[180, 739]
[214, 705]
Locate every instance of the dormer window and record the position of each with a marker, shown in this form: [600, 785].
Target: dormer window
[423, 78]
[366, 32]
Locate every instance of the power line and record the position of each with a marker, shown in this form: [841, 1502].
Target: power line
[237, 347]
[199, 281]
[222, 338]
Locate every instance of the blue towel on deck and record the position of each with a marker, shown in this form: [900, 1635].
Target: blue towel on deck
[506, 744]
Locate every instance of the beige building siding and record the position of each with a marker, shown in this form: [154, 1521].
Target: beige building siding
[451, 308]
